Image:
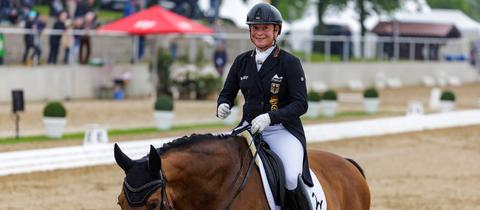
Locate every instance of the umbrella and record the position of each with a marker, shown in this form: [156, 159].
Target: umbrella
[155, 20]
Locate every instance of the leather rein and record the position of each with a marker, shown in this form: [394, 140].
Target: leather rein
[166, 204]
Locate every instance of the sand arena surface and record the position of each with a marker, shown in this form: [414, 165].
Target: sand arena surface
[436, 169]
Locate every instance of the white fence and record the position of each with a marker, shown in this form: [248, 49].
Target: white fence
[102, 154]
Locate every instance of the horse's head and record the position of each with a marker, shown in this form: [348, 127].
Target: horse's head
[143, 184]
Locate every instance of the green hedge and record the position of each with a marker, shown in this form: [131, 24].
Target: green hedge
[370, 93]
[54, 109]
[330, 95]
[164, 103]
[447, 95]
[314, 96]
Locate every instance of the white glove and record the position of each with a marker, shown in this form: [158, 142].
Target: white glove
[223, 111]
[260, 123]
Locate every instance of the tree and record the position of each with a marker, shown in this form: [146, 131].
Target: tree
[469, 7]
[290, 10]
[376, 5]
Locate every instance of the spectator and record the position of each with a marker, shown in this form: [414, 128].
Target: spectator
[71, 7]
[67, 42]
[173, 47]
[38, 27]
[131, 7]
[85, 45]
[56, 7]
[58, 26]
[28, 37]
[84, 7]
[220, 59]
[77, 29]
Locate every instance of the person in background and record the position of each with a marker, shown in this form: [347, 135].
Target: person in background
[38, 26]
[67, 42]
[84, 7]
[85, 42]
[56, 7]
[55, 38]
[220, 59]
[28, 37]
[77, 29]
[273, 85]
[71, 7]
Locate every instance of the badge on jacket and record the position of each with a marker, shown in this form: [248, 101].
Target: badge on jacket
[275, 85]
[274, 89]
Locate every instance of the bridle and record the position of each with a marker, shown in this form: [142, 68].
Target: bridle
[166, 204]
[250, 164]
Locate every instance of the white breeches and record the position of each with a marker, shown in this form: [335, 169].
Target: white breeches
[290, 151]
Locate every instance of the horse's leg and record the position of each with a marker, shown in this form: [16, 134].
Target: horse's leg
[344, 186]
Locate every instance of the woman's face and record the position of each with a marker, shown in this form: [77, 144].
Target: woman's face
[262, 35]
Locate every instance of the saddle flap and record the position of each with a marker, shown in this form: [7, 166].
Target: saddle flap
[274, 171]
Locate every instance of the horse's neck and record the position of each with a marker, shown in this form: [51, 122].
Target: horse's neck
[200, 174]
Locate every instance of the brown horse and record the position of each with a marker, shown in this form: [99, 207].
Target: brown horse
[213, 172]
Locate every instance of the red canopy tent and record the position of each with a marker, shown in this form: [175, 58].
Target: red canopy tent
[155, 20]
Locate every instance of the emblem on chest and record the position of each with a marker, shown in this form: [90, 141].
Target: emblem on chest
[274, 90]
[275, 84]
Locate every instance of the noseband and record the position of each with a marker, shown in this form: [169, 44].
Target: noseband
[165, 203]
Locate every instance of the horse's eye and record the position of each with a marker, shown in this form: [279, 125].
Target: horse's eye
[152, 206]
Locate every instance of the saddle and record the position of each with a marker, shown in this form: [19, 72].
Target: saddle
[272, 164]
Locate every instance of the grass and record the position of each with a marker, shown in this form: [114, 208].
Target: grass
[318, 57]
[187, 129]
[112, 133]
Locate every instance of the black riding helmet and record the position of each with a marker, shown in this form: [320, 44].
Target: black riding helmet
[263, 13]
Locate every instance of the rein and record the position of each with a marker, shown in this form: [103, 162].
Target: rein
[250, 164]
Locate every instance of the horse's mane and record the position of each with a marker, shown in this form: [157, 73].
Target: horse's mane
[185, 140]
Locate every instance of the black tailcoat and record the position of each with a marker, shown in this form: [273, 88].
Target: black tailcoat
[257, 89]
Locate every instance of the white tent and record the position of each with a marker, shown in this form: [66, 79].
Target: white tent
[411, 11]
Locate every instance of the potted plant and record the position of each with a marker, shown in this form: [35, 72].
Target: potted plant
[447, 101]
[163, 112]
[371, 100]
[233, 117]
[54, 120]
[329, 103]
[314, 99]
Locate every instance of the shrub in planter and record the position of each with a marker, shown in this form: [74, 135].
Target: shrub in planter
[371, 100]
[447, 95]
[314, 99]
[54, 109]
[329, 103]
[447, 101]
[330, 95]
[370, 93]
[163, 112]
[314, 96]
[164, 103]
[54, 120]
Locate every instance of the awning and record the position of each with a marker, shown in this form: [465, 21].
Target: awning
[431, 30]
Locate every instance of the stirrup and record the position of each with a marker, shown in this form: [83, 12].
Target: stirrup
[301, 195]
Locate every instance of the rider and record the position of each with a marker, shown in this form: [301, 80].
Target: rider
[273, 84]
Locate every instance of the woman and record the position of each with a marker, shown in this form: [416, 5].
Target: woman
[273, 84]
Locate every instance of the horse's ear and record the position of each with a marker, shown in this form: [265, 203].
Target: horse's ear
[122, 160]
[154, 162]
